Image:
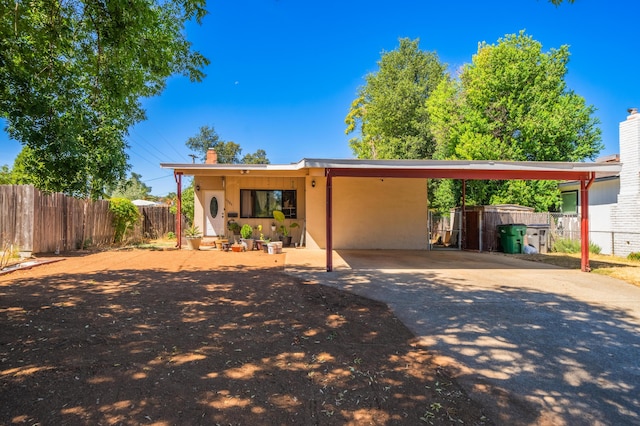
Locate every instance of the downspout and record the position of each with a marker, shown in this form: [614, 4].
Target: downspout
[584, 225]
[178, 178]
[329, 220]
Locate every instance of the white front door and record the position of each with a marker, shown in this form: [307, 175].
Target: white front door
[214, 213]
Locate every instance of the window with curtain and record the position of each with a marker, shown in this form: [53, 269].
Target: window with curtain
[260, 203]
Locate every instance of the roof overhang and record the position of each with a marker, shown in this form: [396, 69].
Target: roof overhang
[455, 169]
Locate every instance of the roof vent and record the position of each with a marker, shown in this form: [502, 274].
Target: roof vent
[632, 111]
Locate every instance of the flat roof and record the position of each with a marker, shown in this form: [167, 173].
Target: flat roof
[457, 169]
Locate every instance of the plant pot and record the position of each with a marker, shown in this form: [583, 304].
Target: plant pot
[265, 247]
[219, 243]
[259, 244]
[194, 243]
[286, 241]
[237, 248]
[247, 243]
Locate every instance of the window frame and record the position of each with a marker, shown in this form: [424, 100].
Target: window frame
[273, 202]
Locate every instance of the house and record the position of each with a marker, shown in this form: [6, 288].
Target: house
[614, 197]
[349, 203]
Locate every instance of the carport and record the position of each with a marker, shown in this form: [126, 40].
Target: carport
[585, 173]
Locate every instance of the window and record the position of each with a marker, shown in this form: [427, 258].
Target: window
[260, 203]
[570, 202]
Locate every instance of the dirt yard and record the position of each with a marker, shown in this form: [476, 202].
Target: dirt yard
[202, 338]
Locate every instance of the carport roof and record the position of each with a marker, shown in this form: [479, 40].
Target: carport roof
[458, 169]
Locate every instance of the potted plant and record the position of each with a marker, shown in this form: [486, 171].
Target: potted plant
[285, 237]
[260, 240]
[194, 237]
[219, 242]
[234, 227]
[246, 231]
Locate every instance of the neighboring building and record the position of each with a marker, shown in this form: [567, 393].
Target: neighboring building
[614, 198]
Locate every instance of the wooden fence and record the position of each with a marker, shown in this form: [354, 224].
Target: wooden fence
[36, 222]
[491, 220]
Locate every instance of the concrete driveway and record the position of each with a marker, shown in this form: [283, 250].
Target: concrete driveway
[535, 344]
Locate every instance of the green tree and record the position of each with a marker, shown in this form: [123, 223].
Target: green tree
[72, 75]
[259, 157]
[228, 152]
[512, 103]
[203, 141]
[188, 198]
[6, 177]
[132, 188]
[390, 110]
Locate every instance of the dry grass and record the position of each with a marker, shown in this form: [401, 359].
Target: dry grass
[613, 266]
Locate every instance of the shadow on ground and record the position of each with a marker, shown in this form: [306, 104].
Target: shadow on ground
[531, 356]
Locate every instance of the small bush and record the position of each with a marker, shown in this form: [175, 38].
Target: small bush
[125, 215]
[566, 245]
[634, 256]
[171, 235]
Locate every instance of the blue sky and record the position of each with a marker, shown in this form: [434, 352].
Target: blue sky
[283, 73]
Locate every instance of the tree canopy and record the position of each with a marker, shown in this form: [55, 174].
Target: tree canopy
[132, 188]
[512, 103]
[228, 152]
[72, 75]
[390, 109]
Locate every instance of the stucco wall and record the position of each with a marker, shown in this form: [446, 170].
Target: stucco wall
[370, 213]
[233, 185]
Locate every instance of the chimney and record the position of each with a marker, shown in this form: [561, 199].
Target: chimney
[212, 156]
[630, 153]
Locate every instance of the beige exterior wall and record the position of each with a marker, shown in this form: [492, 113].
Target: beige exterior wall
[232, 186]
[369, 213]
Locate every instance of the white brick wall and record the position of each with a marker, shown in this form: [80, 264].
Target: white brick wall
[625, 216]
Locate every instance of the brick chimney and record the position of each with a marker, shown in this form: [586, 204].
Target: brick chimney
[625, 214]
[212, 156]
[630, 153]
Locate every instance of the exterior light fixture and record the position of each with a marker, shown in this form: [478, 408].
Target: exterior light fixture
[313, 183]
[198, 187]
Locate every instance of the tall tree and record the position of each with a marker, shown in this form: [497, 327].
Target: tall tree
[228, 152]
[132, 188]
[390, 110]
[512, 103]
[259, 157]
[72, 74]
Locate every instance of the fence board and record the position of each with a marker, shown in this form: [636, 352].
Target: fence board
[42, 223]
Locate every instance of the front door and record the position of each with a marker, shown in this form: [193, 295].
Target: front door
[214, 213]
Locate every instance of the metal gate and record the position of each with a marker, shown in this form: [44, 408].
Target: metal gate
[445, 231]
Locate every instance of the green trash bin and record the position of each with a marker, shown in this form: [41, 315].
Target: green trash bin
[512, 237]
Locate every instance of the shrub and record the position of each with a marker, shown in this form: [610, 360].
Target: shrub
[566, 245]
[125, 214]
[171, 235]
[634, 256]
[246, 231]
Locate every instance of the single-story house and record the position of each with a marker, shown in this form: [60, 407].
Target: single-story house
[350, 203]
[614, 197]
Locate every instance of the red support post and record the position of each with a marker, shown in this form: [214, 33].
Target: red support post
[584, 223]
[178, 177]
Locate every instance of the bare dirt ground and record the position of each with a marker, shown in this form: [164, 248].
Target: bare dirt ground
[168, 337]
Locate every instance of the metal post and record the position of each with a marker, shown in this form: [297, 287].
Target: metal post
[329, 242]
[178, 177]
[584, 224]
